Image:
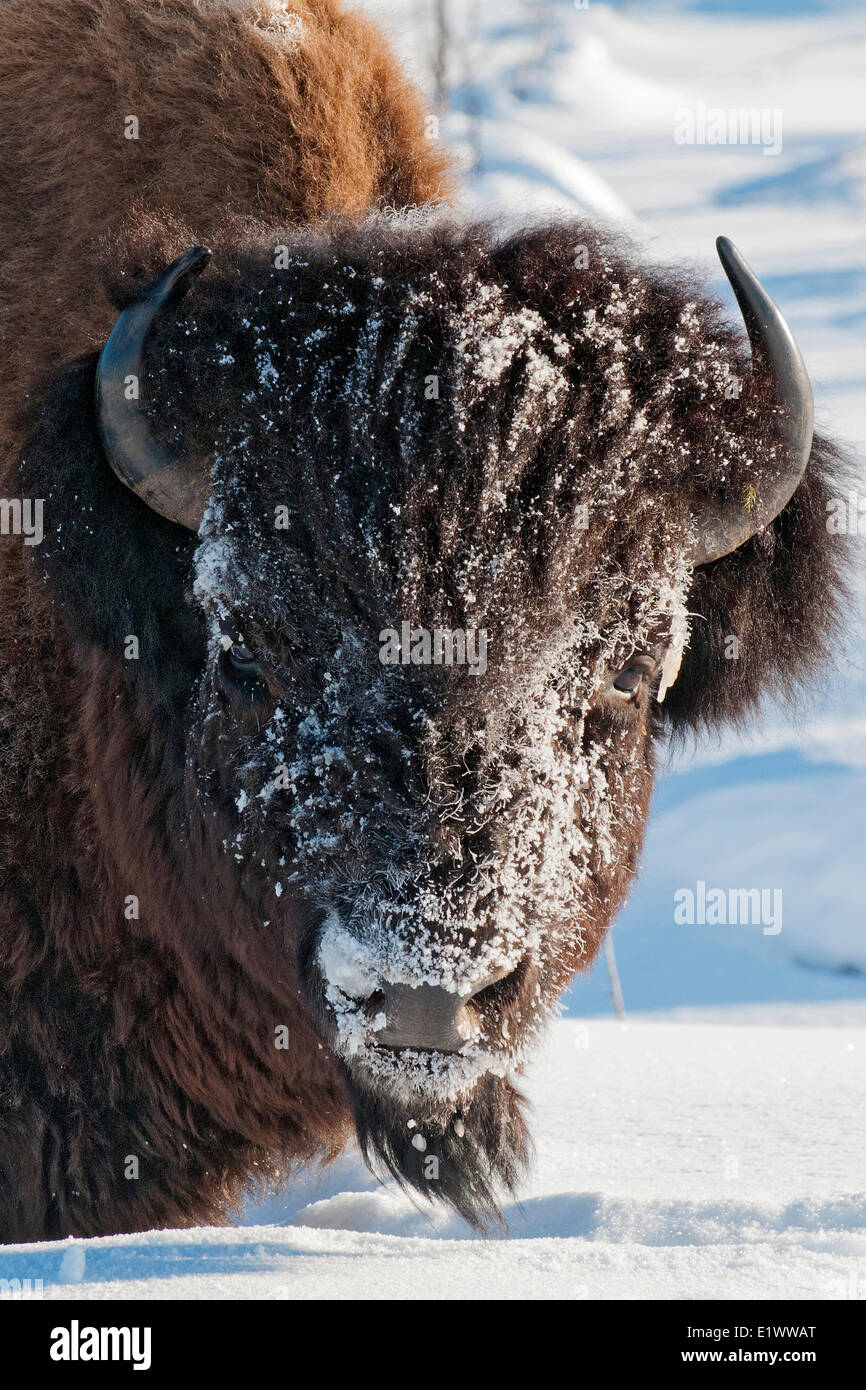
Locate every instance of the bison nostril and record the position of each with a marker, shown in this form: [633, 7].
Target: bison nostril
[427, 1017]
[499, 988]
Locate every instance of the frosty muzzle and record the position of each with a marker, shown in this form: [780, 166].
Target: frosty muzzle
[437, 1014]
[428, 1017]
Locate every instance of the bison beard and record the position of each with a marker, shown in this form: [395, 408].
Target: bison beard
[486, 1154]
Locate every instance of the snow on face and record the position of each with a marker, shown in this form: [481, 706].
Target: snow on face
[448, 830]
[552, 811]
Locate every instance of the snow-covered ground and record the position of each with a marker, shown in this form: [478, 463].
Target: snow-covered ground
[713, 1146]
[673, 1162]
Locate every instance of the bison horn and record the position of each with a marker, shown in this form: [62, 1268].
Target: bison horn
[724, 528]
[180, 492]
[169, 486]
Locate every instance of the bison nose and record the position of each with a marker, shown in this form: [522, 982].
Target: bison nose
[425, 1016]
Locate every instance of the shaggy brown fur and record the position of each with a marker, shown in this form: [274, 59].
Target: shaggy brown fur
[433, 822]
[240, 115]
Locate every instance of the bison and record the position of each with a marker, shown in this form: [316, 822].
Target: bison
[281, 865]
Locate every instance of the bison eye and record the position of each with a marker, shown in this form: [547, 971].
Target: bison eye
[631, 678]
[240, 663]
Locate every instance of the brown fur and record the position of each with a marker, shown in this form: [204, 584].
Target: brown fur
[234, 122]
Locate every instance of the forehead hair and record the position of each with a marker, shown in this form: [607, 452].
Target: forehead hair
[460, 424]
[455, 428]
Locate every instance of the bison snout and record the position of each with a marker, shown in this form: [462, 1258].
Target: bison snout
[425, 1016]
[429, 1016]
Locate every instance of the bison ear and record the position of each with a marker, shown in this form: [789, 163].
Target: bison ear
[176, 488]
[765, 618]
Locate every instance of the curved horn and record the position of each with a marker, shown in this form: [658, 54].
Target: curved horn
[169, 486]
[725, 528]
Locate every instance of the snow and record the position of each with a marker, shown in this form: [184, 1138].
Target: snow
[673, 1162]
[772, 821]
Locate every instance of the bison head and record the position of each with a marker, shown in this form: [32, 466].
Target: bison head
[466, 511]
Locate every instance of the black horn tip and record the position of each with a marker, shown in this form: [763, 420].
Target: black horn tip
[733, 262]
[174, 282]
[728, 255]
[724, 528]
[198, 258]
